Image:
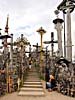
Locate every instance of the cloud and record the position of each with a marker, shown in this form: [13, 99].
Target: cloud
[27, 30]
[23, 28]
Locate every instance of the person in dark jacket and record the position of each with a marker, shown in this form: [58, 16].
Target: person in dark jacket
[30, 62]
[51, 84]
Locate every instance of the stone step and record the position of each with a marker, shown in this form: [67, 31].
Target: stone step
[35, 80]
[29, 80]
[32, 71]
[32, 82]
[32, 86]
[31, 89]
[32, 75]
[31, 93]
[32, 78]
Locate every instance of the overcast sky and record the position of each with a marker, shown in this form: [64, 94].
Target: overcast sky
[26, 16]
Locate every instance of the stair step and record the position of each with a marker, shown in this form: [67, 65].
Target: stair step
[32, 82]
[31, 89]
[31, 71]
[28, 80]
[32, 78]
[34, 86]
[31, 93]
[32, 75]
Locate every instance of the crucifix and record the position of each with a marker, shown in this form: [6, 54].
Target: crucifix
[52, 43]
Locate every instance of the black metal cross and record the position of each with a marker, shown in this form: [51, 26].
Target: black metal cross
[51, 42]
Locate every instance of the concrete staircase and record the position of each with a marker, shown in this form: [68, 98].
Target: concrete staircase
[32, 85]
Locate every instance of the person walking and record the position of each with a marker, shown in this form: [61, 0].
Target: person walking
[30, 62]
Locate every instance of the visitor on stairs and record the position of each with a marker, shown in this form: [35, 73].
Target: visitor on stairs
[30, 63]
[51, 84]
